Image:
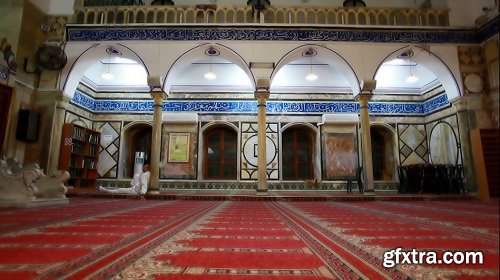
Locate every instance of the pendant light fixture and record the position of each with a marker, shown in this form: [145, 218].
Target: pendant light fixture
[310, 53]
[408, 54]
[311, 76]
[108, 75]
[210, 75]
[411, 78]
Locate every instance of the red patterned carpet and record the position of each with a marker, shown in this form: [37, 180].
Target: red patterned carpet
[195, 239]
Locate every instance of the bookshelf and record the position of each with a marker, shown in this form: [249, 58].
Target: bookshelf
[79, 155]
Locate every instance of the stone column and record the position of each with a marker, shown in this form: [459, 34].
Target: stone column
[262, 96]
[366, 144]
[465, 144]
[57, 124]
[154, 181]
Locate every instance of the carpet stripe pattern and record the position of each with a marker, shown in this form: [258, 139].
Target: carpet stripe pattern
[196, 239]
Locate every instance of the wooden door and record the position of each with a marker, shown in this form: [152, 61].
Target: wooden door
[220, 154]
[5, 98]
[297, 155]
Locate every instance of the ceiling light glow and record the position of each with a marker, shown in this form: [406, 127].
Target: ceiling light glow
[210, 75]
[412, 79]
[107, 75]
[311, 77]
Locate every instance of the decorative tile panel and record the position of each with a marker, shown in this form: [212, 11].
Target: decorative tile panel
[273, 107]
[82, 99]
[110, 147]
[249, 151]
[343, 34]
[211, 106]
[488, 30]
[436, 103]
[413, 146]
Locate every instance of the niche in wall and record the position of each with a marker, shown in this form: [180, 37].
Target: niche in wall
[27, 125]
[137, 139]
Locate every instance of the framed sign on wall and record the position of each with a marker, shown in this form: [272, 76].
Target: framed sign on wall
[178, 147]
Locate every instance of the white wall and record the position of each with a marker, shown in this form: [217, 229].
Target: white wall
[54, 7]
[465, 12]
[10, 24]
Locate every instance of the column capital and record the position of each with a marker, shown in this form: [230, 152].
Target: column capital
[364, 97]
[460, 104]
[55, 97]
[62, 100]
[262, 97]
[158, 96]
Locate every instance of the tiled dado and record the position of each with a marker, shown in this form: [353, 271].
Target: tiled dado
[100, 106]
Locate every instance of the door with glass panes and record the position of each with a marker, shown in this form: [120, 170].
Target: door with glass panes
[220, 154]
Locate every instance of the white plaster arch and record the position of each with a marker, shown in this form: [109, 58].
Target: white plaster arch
[385, 125]
[73, 73]
[308, 125]
[325, 54]
[194, 54]
[210, 125]
[437, 65]
[132, 124]
[80, 122]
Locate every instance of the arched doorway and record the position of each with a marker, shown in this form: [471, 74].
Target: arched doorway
[136, 138]
[220, 153]
[382, 140]
[297, 154]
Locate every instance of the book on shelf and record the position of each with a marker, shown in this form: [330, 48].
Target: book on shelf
[91, 164]
[93, 138]
[77, 148]
[93, 150]
[79, 154]
[78, 133]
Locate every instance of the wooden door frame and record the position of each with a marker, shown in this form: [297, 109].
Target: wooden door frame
[205, 152]
[132, 143]
[310, 147]
[5, 102]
